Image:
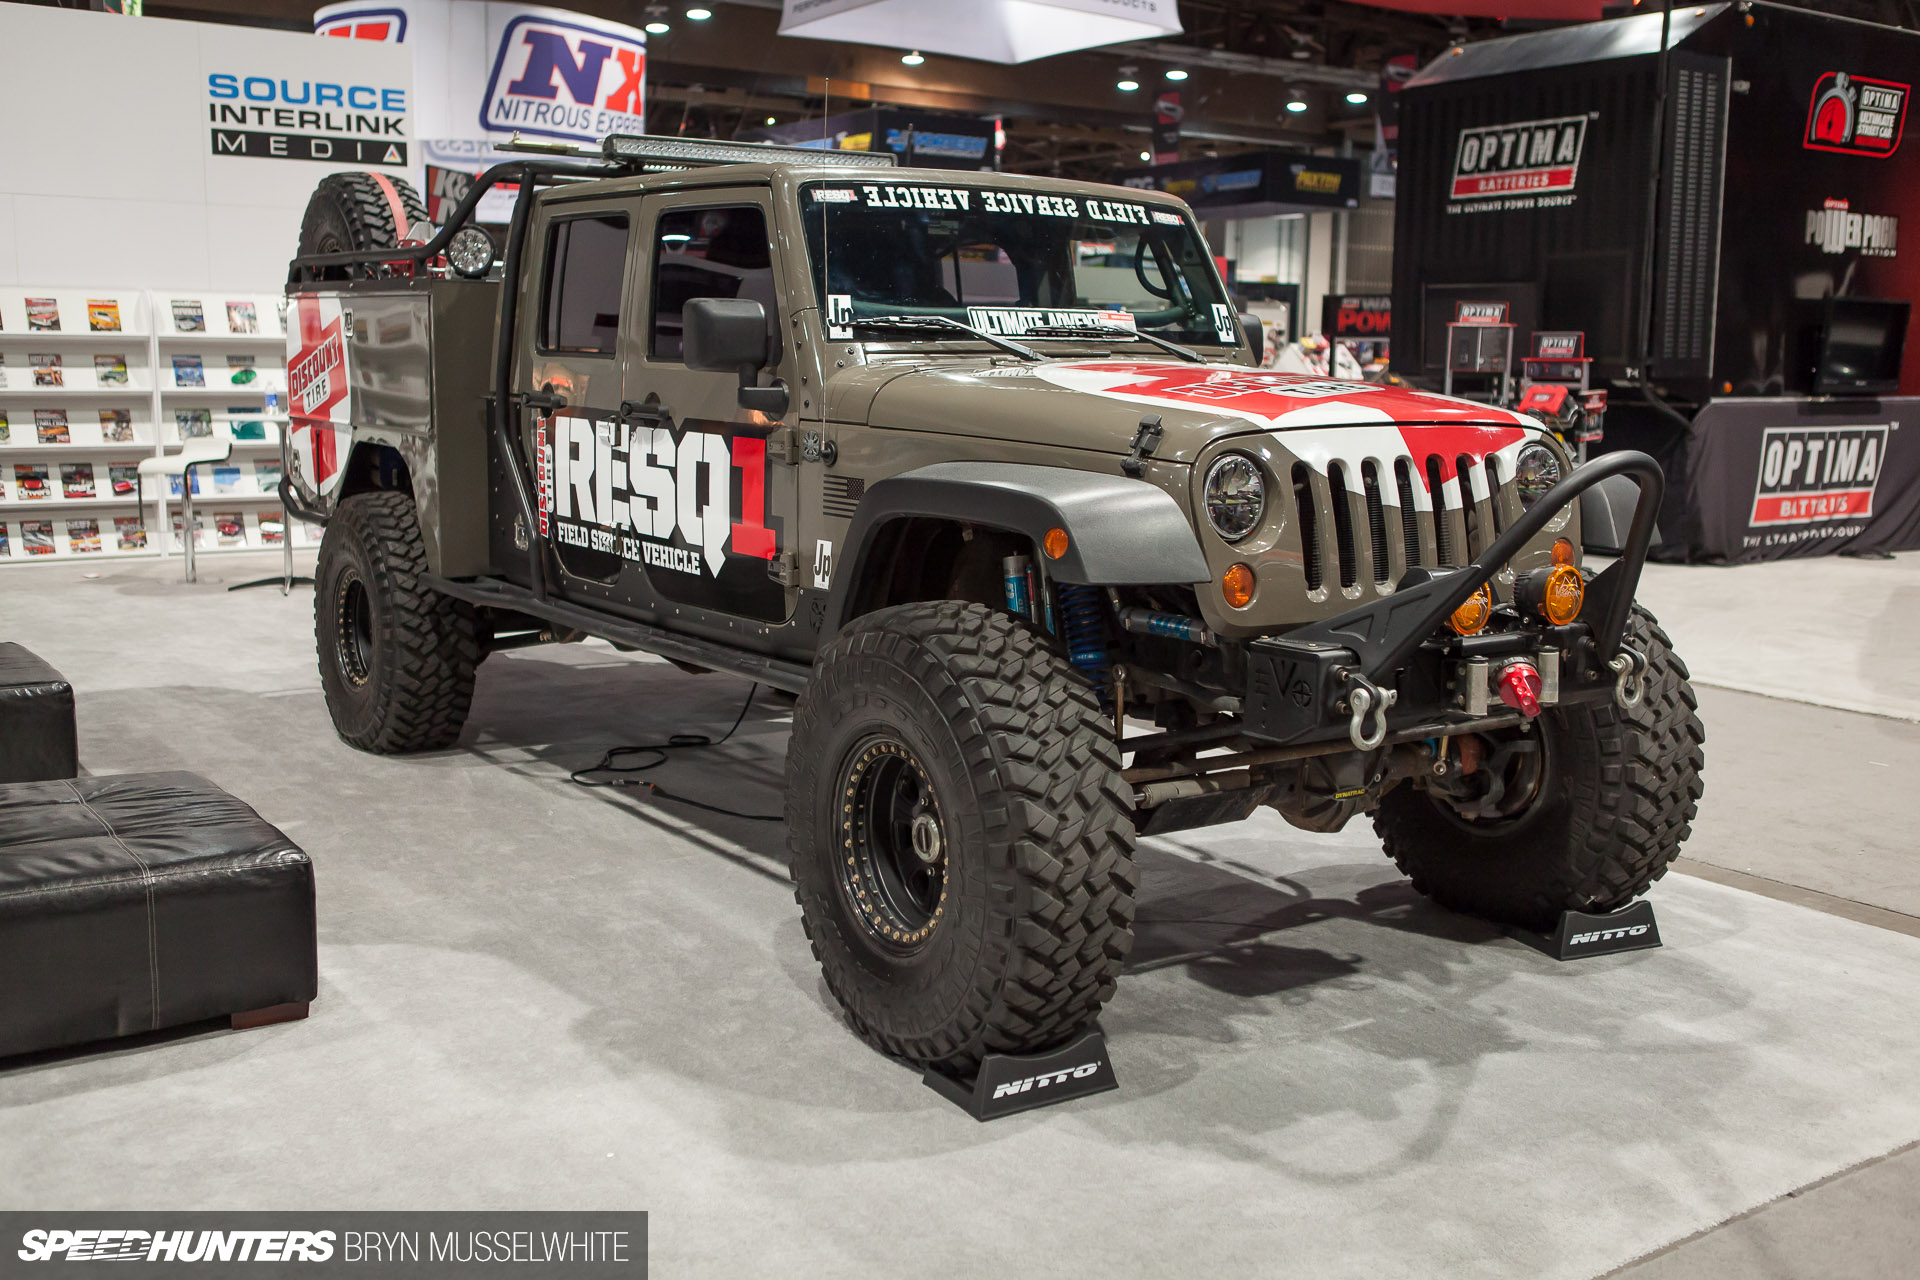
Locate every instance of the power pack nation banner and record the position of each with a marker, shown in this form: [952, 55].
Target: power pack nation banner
[1775, 479]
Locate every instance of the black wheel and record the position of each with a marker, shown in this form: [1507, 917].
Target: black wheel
[356, 210]
[396, 659]
[961, 844]
[1581, 813]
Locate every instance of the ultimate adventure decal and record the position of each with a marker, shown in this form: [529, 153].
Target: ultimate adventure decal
[692, 507]
[317, 372]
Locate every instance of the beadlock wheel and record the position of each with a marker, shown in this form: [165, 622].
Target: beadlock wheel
[893, 845]
[353, 629]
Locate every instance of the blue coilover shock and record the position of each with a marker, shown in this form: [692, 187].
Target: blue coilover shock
[1083, 626]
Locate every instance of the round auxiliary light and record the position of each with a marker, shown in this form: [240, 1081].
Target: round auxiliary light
[1236, 584]
[1471, 618]
[1235, 496]
[470, 253]
[1562, 595]
[1055, 543]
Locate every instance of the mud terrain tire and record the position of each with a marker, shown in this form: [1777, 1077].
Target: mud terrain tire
[351, 211]
[986, 731]
[1620, 792]
[396, 658]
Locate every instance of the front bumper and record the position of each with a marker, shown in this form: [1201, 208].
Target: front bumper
[1389, 669]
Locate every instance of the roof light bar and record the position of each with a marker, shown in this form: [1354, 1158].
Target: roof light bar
[690, 153]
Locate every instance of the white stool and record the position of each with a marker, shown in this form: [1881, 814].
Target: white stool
[181, 464]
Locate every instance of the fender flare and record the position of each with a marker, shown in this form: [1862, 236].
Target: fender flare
[1121, 532]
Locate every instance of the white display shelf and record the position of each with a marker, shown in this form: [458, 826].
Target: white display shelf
[148, 341]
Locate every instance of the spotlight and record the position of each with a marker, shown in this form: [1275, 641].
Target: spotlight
[699, 15]
[1296, 101]
[769, 119]
[1175, 73]
[1127, 86]
[912, 59]
[1147, 156]
[658, 28]
[1357, 98]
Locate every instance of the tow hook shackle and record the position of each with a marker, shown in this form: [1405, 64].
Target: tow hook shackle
[1367, 699]
[1630, 676]
[1519, 686]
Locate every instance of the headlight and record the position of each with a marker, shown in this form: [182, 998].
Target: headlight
[1235, 496]
[470, 252]
[1536, 470]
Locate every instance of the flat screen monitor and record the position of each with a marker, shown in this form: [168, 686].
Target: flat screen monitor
[1860, 347]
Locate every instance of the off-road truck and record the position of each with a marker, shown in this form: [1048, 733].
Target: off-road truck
[984, 470]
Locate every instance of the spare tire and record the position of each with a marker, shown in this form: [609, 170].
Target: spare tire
[358, 210]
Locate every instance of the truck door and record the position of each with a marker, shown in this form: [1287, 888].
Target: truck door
[571, 361]
[712, 513]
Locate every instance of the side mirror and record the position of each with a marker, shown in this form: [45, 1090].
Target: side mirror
[1256, 338]
[729, 335]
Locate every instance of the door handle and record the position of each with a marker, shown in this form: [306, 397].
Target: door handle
[545, 398]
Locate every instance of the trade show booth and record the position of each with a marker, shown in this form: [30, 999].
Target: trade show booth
[1713, 199]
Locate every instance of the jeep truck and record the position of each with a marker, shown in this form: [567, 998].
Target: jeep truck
[984, 470]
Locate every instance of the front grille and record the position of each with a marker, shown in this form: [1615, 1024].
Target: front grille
[1447, 511]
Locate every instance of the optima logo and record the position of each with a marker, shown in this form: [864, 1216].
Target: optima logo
[566, 80]
[1855, 115]
[1810, 474]
[1534, 157]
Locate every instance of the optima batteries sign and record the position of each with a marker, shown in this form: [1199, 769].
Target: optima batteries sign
[1531, 157]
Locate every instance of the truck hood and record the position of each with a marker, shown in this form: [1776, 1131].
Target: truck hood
[1097, 404]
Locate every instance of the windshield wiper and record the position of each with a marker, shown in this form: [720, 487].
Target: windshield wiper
[1114, 331]
[943, 322]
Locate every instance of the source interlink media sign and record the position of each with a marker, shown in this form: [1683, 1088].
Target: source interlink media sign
[382, 1243]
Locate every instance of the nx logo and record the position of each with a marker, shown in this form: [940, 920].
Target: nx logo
[566, 80]
[1045, 1080]
[1608, 935]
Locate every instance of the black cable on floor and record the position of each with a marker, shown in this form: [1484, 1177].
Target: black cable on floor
[606, 766]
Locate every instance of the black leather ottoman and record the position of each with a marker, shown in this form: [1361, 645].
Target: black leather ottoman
[36, 719]
[143, 901]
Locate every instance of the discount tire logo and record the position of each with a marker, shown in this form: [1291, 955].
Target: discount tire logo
[1812, 474]
[1534, 157]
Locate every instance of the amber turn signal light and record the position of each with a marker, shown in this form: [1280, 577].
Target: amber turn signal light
[1055, 543]
[1236, 584]
[1562, 551]
[1471, 618]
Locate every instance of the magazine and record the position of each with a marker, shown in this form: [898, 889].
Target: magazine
[272, 528]
[123, 479]
[267, 475]
[110, 371]
[6, 547]
[50, 426]
[230, 528]
[116, 426]
[3, 368]
[36, 536]
[226, 479]
[83, 536]
[47, 371]
[130, 533]
[241, 318]
[194, 424]
[188, 317]
[245, 428]
[174, 489]
[30, 482]
[189, 372]
[103, 315]
[43, 315]
[240, 370]
[280, 306]
[199, 534]
[76, 479]
[6, 431]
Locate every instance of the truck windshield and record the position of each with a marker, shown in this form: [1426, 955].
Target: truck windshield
[1011, 262]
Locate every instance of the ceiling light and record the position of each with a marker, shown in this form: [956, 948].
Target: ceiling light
[1147, 156]
[769, 119]
[1296, 102]
[1127, 86]
[1175, 73]
[699, 15]
[912, 59]
[658, 28]
[1357, 98]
